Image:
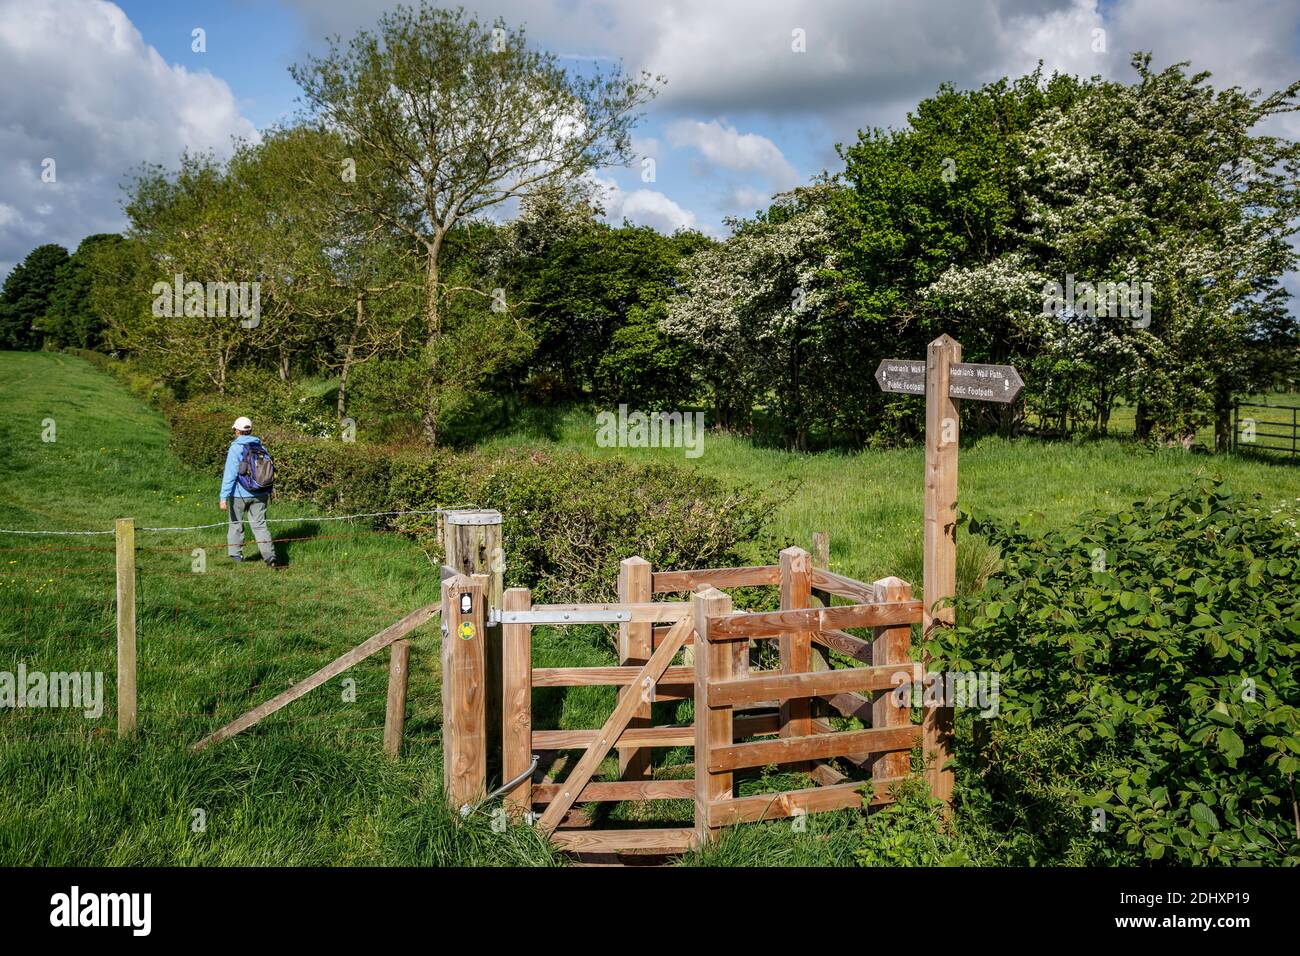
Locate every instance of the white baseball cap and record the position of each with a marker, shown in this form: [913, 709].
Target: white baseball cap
[243, 424]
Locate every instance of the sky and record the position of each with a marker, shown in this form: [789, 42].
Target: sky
[758, 92]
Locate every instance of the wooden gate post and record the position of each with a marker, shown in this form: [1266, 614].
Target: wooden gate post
[472, 540]
[942, 433]
[891, 645]
[635, 645]
[796, 648]
[821, 559]
[126, 690]
[464, 730]
[713, 725]
[517, 701]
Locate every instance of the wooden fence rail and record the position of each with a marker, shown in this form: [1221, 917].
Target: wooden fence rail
[743, 627]
[724, 683]
[387, 636]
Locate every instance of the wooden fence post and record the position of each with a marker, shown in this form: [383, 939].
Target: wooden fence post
[713, 725]
[464, 744]
[517, 701]
[472, 541]
[126, 688]
[796, 649]
[942, 433]
[891, 645]
[635, 645]
[821, 558]
[399, 658]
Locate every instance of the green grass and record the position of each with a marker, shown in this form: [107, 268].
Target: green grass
[1123, 418]
[310, 785]
[871, 502]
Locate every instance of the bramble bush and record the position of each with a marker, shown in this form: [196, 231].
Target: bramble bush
[908, 832]
[261, 394]
[1148, 684]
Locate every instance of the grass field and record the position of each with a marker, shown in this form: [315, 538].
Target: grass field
[1276, 410]
[310, 785]
[871, 503]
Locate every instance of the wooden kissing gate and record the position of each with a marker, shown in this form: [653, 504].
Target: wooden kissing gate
[744, 718]
[696, 648]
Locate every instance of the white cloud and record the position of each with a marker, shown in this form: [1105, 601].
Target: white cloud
[646, 146]
[867, 64]
[643, 207]
[870, 62]
[722, 145]
[84, 89]
[747, 200]
[734, 56]
[737, 55]
[1248, 43]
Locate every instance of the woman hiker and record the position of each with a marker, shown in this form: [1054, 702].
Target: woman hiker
[245, 491]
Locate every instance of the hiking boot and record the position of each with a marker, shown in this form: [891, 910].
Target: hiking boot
[274, 565]
[236, 557]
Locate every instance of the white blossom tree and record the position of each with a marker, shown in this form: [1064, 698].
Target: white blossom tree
[1168, 182]
[761, 312]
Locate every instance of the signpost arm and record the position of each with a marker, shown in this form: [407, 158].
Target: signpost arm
[941, 444]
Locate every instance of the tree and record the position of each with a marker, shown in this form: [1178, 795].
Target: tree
[594, 298]
[1165, 182]
[483, 348]
[193, 224]
[462, 117]
[643, 367]
[1003, 297]
[25, 297]
[929, 229]
[71, 319]
[349, 278]
[762, 312]
[121, 277]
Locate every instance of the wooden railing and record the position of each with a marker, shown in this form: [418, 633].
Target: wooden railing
[744, 718]
[699, 649]
[724, 683]
[640, 681]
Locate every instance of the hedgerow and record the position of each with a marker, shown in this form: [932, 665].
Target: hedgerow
[1148, 684]
[568, 519]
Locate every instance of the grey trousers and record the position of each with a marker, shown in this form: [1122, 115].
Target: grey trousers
[255, 509]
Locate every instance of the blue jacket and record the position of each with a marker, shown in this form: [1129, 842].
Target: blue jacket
[230, 488]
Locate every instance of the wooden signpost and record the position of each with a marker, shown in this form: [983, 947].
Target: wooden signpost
[944, 380]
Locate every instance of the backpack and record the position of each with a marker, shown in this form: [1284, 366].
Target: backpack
[256, 470]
